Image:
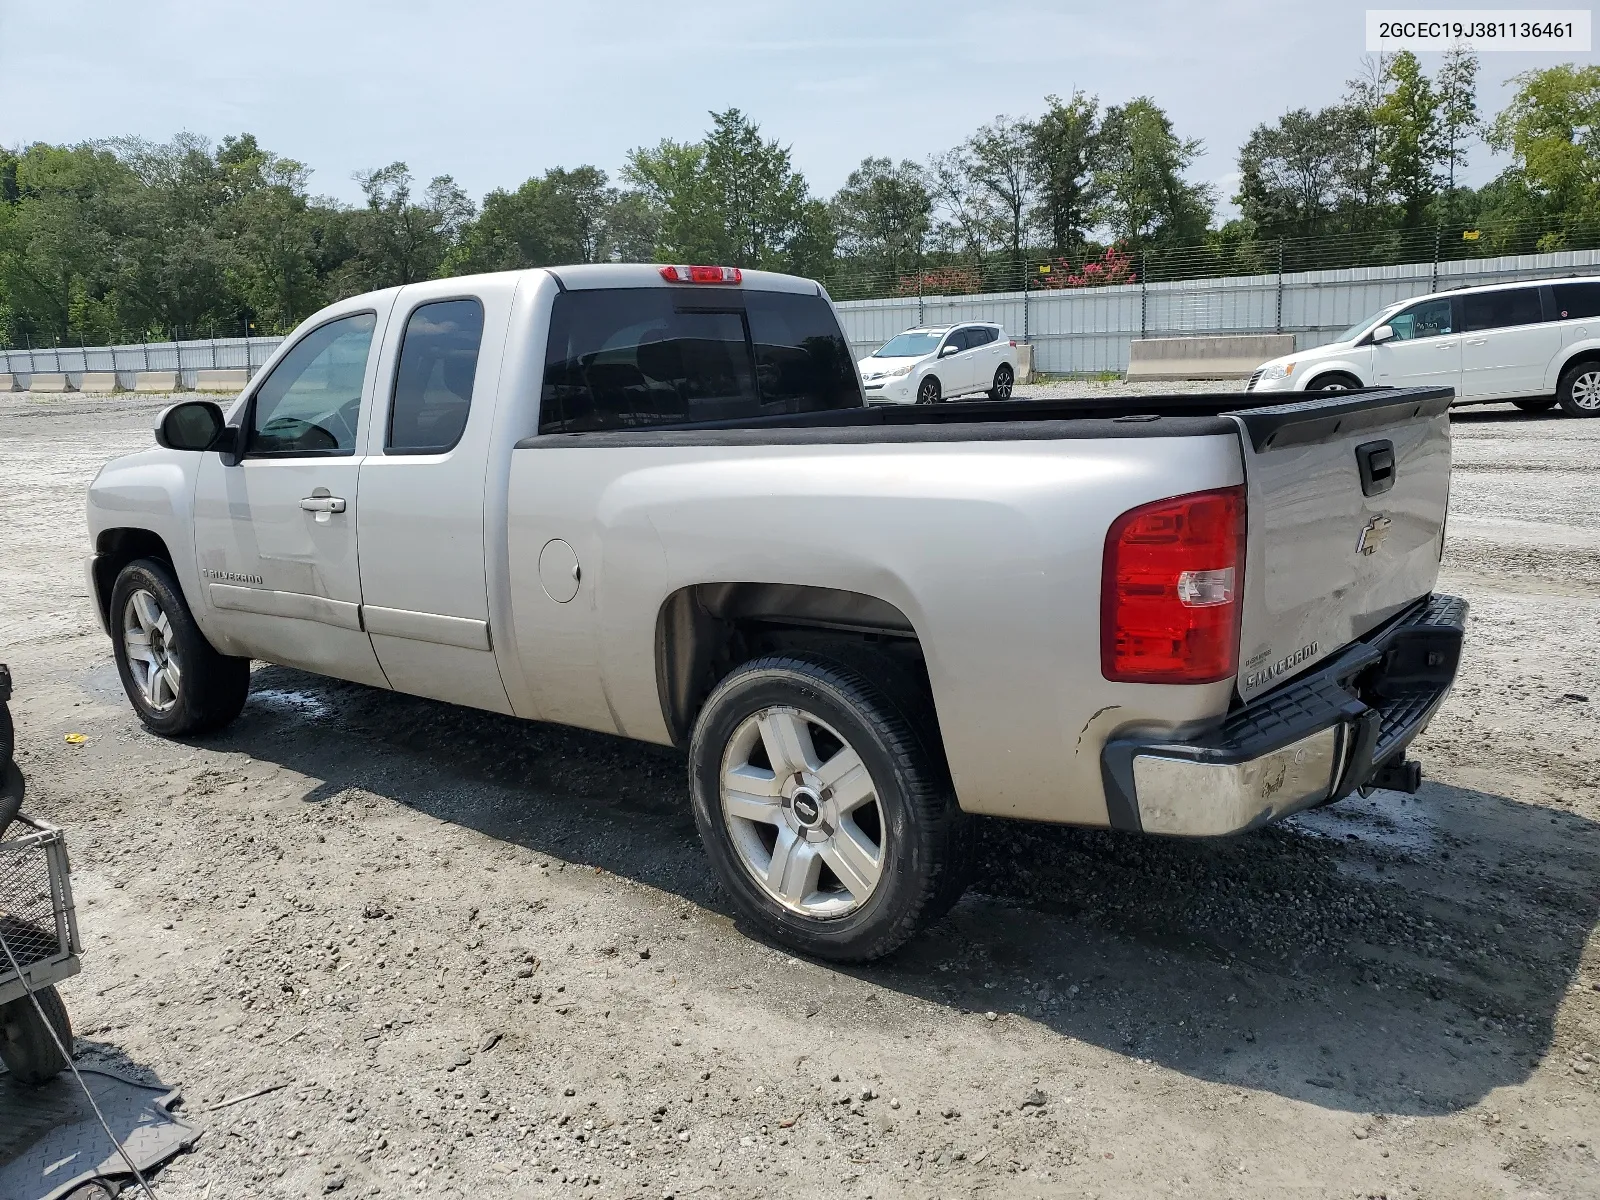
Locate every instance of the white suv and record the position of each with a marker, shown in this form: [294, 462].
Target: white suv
[940, 362]
[1534, 344]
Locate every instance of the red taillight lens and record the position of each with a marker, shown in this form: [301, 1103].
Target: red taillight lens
[702, 274]
[1170, 592]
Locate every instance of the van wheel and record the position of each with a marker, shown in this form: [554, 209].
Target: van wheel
[928, 391]
[1004, 378]
[26, 1047]
[1540, 405]
[825, 812]
[1579, 393]
[178, 683]
[1336, 382]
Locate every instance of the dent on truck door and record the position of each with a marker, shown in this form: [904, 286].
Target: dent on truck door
[275, 535]
[423, 583]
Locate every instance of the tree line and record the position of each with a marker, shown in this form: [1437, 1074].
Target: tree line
[130, 239]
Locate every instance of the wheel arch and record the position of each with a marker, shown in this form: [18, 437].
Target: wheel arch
[1574, 358]
[1331, 371]
[114, 550]
[705, 630]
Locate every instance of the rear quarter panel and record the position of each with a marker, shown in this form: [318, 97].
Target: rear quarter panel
[991, 549]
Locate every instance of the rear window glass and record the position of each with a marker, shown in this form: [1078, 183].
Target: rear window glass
[1575, 301]
[1499, 310]
[630, 358]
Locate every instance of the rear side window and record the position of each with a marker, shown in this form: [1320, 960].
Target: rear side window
[1576, 301]
[1498, 310]
[631, 358]
[981, 336]
[433, 383]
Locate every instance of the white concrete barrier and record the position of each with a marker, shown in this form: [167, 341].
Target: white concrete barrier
[8, 383]
[40, 382]
[155, 381]
[1227, 357]
[221, 380]
[1024, 362]
[99, 381]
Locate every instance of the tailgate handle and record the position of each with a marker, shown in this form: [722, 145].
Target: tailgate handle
[1376, 463]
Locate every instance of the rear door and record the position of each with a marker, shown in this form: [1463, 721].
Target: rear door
[1425, 350]
[1506, 345]
[1345, 527]
[275, 535]
[423, 582]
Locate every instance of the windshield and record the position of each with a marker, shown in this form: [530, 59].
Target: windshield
[908, 345]
[1361, 326]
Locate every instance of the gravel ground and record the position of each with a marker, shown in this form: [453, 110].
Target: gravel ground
[482, 957]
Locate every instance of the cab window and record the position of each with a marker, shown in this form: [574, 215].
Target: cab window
[433, 382]
[311, 402]
[1431, 318]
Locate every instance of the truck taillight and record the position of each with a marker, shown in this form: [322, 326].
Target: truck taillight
[702, 274]
[1170, 591]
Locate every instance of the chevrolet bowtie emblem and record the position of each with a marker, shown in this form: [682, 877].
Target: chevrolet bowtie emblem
[1373, 534]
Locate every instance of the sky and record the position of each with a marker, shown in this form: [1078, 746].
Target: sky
[494, 91]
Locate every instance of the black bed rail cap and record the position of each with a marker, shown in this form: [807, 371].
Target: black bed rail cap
[1329, 415]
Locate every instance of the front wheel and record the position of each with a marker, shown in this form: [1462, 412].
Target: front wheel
[179, 684]
[928, 391]
[27, 1048]
[1579, 393]
[1004, 379]
[824, 810]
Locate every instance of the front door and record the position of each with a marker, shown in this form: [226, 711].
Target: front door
[1425, 350]
[423, 583]
[275, 535]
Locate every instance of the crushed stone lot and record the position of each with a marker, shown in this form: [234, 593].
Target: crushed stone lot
[478, 957]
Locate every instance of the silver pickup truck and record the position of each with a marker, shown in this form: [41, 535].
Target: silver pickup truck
[652, 501]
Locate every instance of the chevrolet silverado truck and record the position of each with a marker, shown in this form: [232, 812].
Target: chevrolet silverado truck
[652, 501]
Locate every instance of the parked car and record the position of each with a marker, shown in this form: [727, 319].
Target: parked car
[653, 502]
[941, 362]
[1533, 344]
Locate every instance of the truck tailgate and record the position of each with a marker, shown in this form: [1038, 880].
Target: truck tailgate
[1346, 500]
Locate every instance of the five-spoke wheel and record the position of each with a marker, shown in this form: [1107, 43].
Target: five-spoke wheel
[153, 660]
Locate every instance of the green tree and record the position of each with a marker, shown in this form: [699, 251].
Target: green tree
[998, 164]
[1362, 178]
[1551, 130]
[1061, 150]
[732, 198]
[1411, 137]
[273, 233]
[1139, 166]
[563, 217]
[883, 214]
[399, 240]
[1291, 173]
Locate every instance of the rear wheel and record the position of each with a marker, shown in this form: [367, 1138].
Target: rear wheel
[1004, 380]
[1579, 393]
[26, 1045]
[928, 391]
[824, 810]
[1336, 382]
[177, 681]
[1540, 405]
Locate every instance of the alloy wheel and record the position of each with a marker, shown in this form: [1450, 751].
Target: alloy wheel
[1586, 391]
[148, 638]
[803, 813]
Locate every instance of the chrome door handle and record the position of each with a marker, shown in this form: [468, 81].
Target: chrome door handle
[1477, 341]
[323, 504]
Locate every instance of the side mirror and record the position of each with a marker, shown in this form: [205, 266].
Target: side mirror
[192, 425]
[1381, 334]
[947, 350]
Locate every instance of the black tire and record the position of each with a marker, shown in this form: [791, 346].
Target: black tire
[929, 391]
[1004, 379]
[1333, 381]
[926, 849]
[1579, 390]
[1543, 404]
[212, 687]
[26, 1046]
[8, 736]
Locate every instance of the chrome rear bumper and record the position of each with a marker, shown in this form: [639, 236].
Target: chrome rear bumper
[1316, 739]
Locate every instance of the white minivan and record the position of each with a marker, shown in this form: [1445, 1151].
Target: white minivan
[1533, 344]
[940, 362]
